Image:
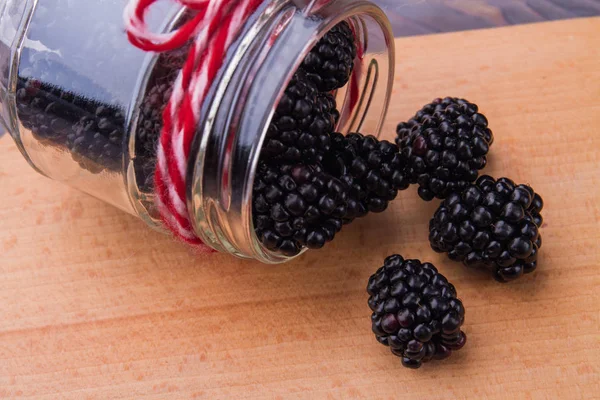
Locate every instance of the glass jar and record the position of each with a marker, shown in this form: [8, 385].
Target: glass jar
[78, 98]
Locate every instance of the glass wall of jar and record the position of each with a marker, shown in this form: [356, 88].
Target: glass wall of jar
[84, 106]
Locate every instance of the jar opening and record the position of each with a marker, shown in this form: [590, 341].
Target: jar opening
[235, 127]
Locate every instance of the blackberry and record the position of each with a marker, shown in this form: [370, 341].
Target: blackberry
[492, 224]
[299, 130]
[296, 206]
[96, 140]
[329, 64]
[37, 110]
[150, 120]
[150, 114]
[370, 168]
[148, 131]
[415, 311]
[446, 144]
[93, 133]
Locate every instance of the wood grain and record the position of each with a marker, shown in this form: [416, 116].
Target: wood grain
[418, 17]
[94, 305]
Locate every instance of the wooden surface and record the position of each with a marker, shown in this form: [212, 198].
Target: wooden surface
[418, 17]
[93, 305]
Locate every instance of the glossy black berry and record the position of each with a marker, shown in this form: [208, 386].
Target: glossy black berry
[415, 311]
[491, 224]
[300, 128]
[370, 168]
[446, 144]
[296, 206]
[329, 64]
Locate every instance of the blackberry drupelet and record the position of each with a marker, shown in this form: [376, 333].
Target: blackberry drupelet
[415, 311]
[329, 64]
[296, 206]
[446, 144]
[370, 168]
[492, 224]
[328, 105]
[299, 130]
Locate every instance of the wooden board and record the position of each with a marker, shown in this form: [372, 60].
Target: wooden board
[418, 17]
[93, 305]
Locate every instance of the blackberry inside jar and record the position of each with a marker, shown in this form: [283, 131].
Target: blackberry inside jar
[261, 183]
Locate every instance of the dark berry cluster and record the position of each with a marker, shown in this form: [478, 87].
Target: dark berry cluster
[446, 144]
[32, 99]
[71, 89]
[93, 133]
[299, 130]
[96, 140]
[150, 124]
[370, 168]
[150, 114]
[296, 206]
[150, 118]
[297, 202]
[492, 224]
[329, 64]
[73, 99]
[483, 222]
[415, 311]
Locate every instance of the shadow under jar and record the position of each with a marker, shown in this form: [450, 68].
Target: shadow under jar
[84, 106]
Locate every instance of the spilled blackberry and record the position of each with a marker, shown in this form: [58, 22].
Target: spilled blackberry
[492, 224]
[370, 168]
[415, 311]
[300, 128]
[329, 64]
[296, 206]
[446, 144]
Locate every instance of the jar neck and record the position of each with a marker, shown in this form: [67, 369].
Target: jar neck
[243, 100]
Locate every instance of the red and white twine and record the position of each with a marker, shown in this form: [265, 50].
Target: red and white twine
[215, 25]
